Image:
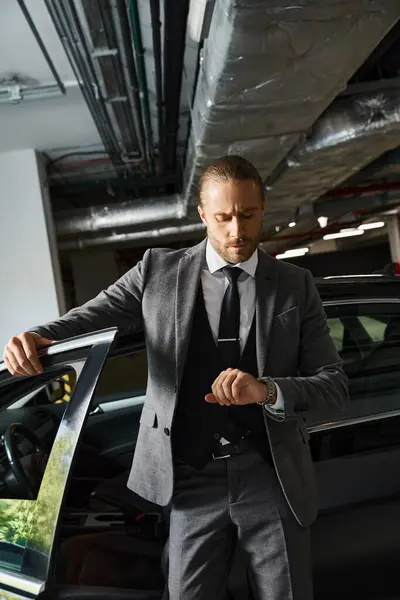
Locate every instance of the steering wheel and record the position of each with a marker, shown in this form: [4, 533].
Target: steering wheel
[22, 480]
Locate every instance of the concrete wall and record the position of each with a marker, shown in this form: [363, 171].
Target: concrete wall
[30, 283]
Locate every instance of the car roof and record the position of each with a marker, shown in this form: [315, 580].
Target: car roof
[359, 286]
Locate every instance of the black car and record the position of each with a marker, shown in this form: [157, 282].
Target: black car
[69, 527]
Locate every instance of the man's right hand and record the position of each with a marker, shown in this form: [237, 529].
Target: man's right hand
[20, 354]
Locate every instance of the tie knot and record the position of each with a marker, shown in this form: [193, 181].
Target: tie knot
[232, 273]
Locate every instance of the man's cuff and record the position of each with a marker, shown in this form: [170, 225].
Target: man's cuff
[280, 402]
[277, 410]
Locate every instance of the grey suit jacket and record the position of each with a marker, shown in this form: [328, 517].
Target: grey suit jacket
[293, 346]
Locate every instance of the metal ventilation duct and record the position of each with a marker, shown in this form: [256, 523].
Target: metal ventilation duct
[138, 238]
[270, 69]
[134, 213]
[160, 212]
[350, 134]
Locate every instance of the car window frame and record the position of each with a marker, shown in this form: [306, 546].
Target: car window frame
[93, 349]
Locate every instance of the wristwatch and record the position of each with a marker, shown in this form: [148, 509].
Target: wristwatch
[270, 396]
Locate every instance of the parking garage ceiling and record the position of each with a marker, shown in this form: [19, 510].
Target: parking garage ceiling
[128, 100]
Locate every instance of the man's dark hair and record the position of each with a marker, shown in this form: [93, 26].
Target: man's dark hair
[230, 168]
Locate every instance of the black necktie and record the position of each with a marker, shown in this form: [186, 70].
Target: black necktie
[228, 334]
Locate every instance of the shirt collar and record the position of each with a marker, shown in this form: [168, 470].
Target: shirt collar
[215, 262]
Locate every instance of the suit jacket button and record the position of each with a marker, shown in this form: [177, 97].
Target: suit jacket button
[166, 431]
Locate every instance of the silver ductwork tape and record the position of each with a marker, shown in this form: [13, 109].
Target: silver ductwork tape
[136, 238]
[136, 213]
[270, 69]
[351, 133]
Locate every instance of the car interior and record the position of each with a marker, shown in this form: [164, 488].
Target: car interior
[111, 539]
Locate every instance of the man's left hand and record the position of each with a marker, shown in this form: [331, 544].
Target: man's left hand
[234, 387]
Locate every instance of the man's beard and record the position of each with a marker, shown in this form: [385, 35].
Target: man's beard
[223, 249]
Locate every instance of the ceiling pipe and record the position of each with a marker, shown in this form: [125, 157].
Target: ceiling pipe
[348, 135]
[42, 46]
[142, 78]
[248, 104]
[76, 37]
[159, 234]
[121, 24]
[113, 72]
[167, 208]
[133, 213]
[15, 92]
[85, 75]
[156, 32]
[137, 238]
[139, 213]
[175, 22]
[231, 81]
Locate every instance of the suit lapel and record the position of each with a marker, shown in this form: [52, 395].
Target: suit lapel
[266, 291]
[187, 284]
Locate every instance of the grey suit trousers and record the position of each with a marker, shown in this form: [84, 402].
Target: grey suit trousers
[235, 500]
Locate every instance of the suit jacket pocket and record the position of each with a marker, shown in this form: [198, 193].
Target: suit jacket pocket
[286, 316]
[148, 416]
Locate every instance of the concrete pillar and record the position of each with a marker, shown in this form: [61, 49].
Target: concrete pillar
[93, 271]
[31, 290]
[393, 227]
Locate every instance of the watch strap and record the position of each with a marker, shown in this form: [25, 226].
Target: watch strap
[271, 390]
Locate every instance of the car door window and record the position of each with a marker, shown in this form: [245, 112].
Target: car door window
[336, 329]
[113, 423]
[44, 418]
[375, 327]
[370, 349]
[356, 453]
[29, 423]
[123, 382]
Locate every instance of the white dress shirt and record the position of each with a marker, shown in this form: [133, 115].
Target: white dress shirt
[214, 285]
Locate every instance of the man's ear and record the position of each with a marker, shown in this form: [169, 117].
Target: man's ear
[264, 203]
[201, 213]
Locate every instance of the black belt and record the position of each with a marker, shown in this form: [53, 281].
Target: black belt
[228, 450]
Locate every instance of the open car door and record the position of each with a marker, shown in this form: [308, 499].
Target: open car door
[32, 491]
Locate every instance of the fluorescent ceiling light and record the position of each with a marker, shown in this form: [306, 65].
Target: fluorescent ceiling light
[292, 224]
[323, 221]
[343, 233]
[293, 252]
[375, 225]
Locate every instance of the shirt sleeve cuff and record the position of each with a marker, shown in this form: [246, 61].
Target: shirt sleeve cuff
[277, 409]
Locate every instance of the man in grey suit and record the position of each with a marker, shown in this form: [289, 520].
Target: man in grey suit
[239, 355]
